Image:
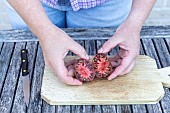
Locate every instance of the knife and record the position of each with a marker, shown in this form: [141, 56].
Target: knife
[25, 76]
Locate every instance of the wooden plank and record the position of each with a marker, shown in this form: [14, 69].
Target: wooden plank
[63, 109]
[5, 57]
[76, 109]
[162, 52]
[35, 99]
[11, 82]
[139, 108]
[164, 57]
[19, 105]
[108, 109]
[167, 42]
[154, 108]
[85, 33]
[90, 47]
[97, 108]
[1, 45]
[17, 36]
[141, 48]
[124, 109]
[87, 109]
[46, 108]
[150, 51]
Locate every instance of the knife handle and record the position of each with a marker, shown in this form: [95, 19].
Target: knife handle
[24, 62]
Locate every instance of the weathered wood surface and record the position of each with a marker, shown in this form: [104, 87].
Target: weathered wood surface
[11, 81]
[1, 44]
[19, 104]
[84, 34]
[150, 51]
[164, 57]
[149, 46]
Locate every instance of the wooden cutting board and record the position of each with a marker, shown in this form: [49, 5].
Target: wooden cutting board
[143, 85]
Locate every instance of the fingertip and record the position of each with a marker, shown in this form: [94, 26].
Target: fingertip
[70, 72]
[112, 76]
[79, 83]
[76, 82]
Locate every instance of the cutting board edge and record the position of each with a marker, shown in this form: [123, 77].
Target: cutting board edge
[165, 76]
[61, 103]
[100, 102]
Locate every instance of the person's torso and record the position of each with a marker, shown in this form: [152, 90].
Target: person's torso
[76, 4]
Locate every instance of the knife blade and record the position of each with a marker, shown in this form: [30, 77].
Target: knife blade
[25, 76]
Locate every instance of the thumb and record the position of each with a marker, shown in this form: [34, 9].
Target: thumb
[108, 45]
[79, 50]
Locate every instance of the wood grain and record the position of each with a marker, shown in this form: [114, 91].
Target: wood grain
[142, 83]
[1, 44]
[149, 50]
[19, 105]
[11, 82]
[164, 57]
[85, 33]
[35, 99]
[155, 43]
[5, 58]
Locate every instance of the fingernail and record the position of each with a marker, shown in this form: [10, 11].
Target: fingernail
[100, 50]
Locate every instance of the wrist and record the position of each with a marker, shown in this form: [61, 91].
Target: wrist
[47, 32]
[43, 29]
[134, 23]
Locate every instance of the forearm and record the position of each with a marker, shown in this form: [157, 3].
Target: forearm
[33, 14]
[140, 11]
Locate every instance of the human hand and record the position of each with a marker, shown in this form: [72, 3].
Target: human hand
[55, 45]
[127, 37]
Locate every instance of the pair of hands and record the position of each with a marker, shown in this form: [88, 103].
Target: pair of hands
[56, 46]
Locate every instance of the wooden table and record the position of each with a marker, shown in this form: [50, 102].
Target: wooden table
[155, 42]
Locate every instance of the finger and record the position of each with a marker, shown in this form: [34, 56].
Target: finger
[115, 58]
[70, 67]
[72, 81]
[119, 61]
[128, 70]
[126, 61]
[122, 53]
[108, 45]
[70, 72]
[79, 50]
[114, 64]
[62, 72]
